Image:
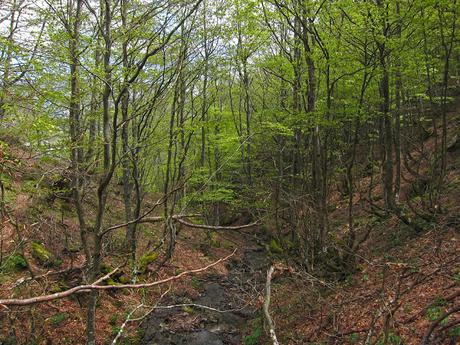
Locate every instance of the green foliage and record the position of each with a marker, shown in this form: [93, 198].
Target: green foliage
[115, 330]
[187, 309]
[436, 310]
[124, 279]
[105, 268]
[113, 319]
[15, 262]
[112, 282]
[277, 128]
[210, 196]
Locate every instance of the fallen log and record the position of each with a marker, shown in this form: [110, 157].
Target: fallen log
[268, 319]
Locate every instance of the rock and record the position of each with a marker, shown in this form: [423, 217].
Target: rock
[204, 337]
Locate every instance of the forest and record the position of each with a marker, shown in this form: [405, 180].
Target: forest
[229, 172]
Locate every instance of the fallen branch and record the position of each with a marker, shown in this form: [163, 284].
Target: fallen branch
[216, 227]
[200, 306]
[95, 286]
[270, 324]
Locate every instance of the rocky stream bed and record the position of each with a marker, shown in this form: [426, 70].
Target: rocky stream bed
[228, 294]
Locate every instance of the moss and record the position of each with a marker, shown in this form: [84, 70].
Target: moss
[124, 279]
[105, 268]
[215, 243]
[111, 281]
[43, 256]
[187, 309]
[228, 245]
[147, 259]
[73, 248]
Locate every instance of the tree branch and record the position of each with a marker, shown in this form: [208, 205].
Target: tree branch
[216, 227]
[95, 286]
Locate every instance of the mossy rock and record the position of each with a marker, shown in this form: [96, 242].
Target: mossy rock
[147, 259]
[43, 256]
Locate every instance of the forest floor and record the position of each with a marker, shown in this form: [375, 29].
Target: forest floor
[404, 282]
